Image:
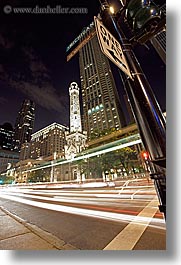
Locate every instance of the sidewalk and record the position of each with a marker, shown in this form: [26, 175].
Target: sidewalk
[17, 234]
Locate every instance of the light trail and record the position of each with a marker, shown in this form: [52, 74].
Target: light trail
[146, 193]
[90, 205]
[106, 201]
[129, 236]
[118, 217]
[85, 156]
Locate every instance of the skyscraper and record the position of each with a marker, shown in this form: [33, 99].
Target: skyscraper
[6, 136]
[101, 105]
[24, 124]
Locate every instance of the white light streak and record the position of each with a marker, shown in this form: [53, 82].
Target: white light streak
[107, 150]
[118, 217]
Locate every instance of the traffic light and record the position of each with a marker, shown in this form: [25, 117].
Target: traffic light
[141, 14]
[145, 155]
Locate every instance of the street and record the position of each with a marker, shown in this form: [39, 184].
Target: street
[92, 216]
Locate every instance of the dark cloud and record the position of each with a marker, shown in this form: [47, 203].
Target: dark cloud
[5, 43]
[45, 96]
[32, 79]
[3, 100]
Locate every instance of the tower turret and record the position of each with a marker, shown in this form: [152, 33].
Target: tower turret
[76, 138]
[75, 118]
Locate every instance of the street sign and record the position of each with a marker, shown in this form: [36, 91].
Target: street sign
[111, 47]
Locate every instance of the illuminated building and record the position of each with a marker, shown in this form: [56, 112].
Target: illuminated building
[25, 151]
[75, 139]
[101, 106]
[75, 117]
[7, 158]
[48, 141]
[24, 124]
[6, 136]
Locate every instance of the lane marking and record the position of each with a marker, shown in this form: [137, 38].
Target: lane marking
[129, 236]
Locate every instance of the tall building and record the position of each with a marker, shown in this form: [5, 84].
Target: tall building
[75, 139]
[7, 159]
[101, 105]
[47, 142]
[159, 41]
[6, 136]
[25, 151]
[24, 124]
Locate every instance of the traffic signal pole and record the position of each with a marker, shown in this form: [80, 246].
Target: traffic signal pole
[148, 115]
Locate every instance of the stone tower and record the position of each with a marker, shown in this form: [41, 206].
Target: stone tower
[75, 118]
[76, 138]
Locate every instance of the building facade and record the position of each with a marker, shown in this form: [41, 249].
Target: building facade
[7, 159]
[24, 124]
[25, 151]
[6, 136]
[101, 105]
[48, 141]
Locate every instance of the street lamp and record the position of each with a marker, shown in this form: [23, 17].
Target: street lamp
[52, 172]
[111, 9]
[29, 165]
[148, 115]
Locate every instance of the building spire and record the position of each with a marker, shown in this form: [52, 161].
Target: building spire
[76, 139]
[75, 118]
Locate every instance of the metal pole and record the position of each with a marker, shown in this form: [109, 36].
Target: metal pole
[148, 115]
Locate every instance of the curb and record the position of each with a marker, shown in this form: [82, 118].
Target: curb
[48, 237]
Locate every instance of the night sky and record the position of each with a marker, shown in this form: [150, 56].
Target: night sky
[33, 60]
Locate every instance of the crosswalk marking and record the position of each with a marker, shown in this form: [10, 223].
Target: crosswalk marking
[129, 236]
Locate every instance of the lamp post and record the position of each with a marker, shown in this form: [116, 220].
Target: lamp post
[148, 115]
[29, 165]
[52, 172]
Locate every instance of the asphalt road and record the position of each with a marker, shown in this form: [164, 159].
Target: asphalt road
[95, 218]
